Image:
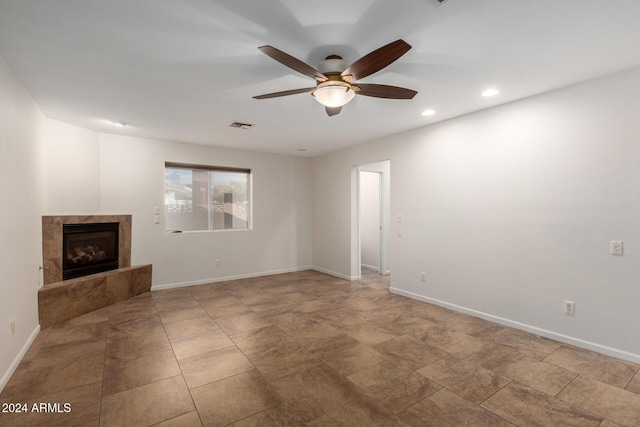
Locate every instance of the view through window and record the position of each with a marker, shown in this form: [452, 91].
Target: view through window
[206, 197]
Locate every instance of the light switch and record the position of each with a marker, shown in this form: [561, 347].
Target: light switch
[399, 218]
[156, 219]
[156, 210]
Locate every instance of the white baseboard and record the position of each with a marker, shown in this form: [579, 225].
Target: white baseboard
[598, 348]
[370, 267]
[333, 273]
[16, 361]
[227, 278]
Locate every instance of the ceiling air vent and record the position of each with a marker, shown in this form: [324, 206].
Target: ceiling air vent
[241, 125]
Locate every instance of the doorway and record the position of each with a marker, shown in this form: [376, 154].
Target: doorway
[374, 216]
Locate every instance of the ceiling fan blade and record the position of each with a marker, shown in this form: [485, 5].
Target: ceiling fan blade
[385, 91]
[332, 111]
[377, 60]
[284, 93]
[293, 63]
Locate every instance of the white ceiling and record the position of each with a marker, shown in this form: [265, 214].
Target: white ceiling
[183, 70]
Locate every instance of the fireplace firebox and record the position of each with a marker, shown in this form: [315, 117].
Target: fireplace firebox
[89, 248]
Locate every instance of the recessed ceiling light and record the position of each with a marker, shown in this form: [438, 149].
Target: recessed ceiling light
[490, 92]
[119, 124]
[428, 112]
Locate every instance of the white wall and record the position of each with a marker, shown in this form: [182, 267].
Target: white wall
[132, 181]
[370, 219]
[510, 212]
[72, 169]
[22, 194]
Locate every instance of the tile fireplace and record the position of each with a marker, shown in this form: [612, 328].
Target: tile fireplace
[87, 266]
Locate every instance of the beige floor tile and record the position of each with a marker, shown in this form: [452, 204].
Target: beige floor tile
[243, 323]
[213, 366]
[603, 400]
[311, 393]
[123, 364]
[339, 317]
[350, 359]
[261, 339]
[98, 316]
[148, 404]
[281, 361]
[55, 354]
[444, 408]
[383, 377]
[64, 334]
[367, 333]
[597, 366]
[174, 315]
[190, 419]
[219, 308]
[127, 310]
[470, 325]
[401, 322]
[434, 313]
[37, 344]
[541, 376]
[320, 337]
[525, 406]
[193, 345]
[411, 348]
[231, 399]
[202, 292]
[609, 423]
[135, 328]
[470, 381]
[363, 411]
[634, 384]
[524, 343]
[275, 416]
[411, 391]
[29, 384]
[291, 320]
[196, 325]
[314, 305]
[143, 370]
[134, 347]
[184, 299]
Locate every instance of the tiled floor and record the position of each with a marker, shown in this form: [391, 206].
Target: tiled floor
[309, 349]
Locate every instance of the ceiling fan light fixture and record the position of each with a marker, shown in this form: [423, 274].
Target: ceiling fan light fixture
[333, 94]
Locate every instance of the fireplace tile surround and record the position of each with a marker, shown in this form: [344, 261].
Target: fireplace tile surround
[60, 300]
[52, 241]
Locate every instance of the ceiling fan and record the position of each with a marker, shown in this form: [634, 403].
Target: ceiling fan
[336, 82]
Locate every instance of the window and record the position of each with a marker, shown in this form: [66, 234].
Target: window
[206, 198]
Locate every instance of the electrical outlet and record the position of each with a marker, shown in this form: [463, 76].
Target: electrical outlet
[616, 247]
[217, 263]
[13, 326]
[569, 308]
[423, 276]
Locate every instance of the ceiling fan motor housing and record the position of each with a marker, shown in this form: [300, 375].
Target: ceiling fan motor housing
[332, 64]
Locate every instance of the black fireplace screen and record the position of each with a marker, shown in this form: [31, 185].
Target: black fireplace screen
[89, 248]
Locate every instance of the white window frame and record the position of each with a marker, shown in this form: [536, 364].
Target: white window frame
[210, 206]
